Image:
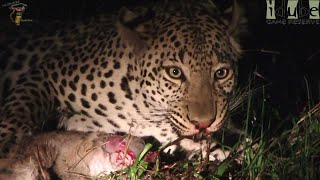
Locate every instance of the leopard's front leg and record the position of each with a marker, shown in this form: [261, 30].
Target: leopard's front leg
[215, 154]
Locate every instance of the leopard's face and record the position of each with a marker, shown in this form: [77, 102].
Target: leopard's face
[188, 73]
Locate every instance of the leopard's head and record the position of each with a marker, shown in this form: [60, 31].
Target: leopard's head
[185, 64]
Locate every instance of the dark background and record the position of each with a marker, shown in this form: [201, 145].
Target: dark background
[286, 56]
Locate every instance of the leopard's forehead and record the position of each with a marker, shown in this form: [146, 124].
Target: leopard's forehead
[199, 38]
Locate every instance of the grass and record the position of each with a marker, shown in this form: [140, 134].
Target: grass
[288, 149]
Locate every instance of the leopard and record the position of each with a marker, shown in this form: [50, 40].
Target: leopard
[167, 71]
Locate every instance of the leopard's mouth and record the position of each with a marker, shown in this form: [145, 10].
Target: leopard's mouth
[204, 133]
[201, 135]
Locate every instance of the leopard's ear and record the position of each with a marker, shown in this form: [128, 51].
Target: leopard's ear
[234, 18]
[134, 28]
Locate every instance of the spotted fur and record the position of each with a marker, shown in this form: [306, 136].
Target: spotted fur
[166, 72]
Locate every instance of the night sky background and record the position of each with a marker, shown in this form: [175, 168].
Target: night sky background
[293, 50]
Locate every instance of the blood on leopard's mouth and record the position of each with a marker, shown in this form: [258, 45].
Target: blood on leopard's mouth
[200, 131]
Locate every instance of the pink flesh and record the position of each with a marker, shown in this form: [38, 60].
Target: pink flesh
[123, 147]
[116, 145]
[112, 144]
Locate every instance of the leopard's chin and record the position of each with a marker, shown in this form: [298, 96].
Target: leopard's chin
[200, 135]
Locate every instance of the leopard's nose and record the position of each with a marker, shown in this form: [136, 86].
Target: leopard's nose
[202, 124]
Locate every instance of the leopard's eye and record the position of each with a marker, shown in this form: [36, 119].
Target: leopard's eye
[174, 73]
[221, 73]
